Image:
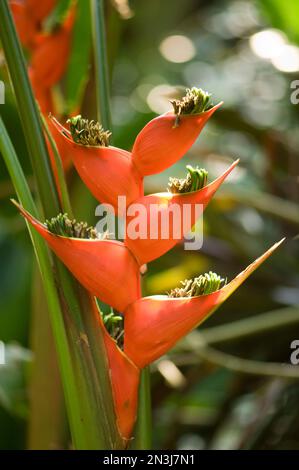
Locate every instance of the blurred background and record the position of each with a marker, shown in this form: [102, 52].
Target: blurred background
[228, 385]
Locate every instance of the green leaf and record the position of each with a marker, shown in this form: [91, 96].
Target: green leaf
[79, 62]
[283, 15]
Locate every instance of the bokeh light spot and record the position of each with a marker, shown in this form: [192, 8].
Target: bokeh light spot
[159, 97]
[266, 44]
[287, 59]
[177, 48]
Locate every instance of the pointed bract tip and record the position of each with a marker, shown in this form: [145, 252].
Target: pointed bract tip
[20, 208]
[276, 245]
[218, 105]
[15, 203]
[58, 126]
[214, 108]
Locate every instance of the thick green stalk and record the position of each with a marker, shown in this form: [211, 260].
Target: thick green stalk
[28, 112]
[143, 428]
[46, 397]
[101, 63]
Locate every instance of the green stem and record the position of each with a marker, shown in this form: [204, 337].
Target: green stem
[28, 112]
[245, 366]
[199, 343]
[143, 429]
[268, 203]
[257, 324]
[101, 63]
[47, 404]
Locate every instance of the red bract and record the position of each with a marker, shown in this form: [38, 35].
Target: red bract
[161, 143]
[108, 172]
[25, 24]
[56, 130]
[125, 381]
[39, 9]
[159, 207]
[49, 51]
[50, 56]
[154, 324]
[106, 268]
[42, 94]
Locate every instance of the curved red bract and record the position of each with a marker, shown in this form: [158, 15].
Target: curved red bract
[125, 377]
[166, 206]
[108, 172]
[160, 143]
[154, 324]
[106, 268]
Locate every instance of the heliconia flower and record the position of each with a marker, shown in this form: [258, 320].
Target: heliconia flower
[154, 324]
[165, 139]
[39, 9]
[181, 210]
[125, 382]
[107, 171]
[24, 23]
[50, 56]
[106, 268]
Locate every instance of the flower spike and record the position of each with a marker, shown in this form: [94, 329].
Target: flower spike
[88, 132]
[195, 101]
[107, 171]
[154, 324]
[106, 268]
[195, 180]
[181, 210]
[201, 285]
[165, 139]
[62, 225]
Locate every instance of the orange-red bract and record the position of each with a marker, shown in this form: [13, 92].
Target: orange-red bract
[160, 143]
[108, 172]
[50, 55]
[167, 218]
[106, 268]
[39, 9]
[154, 324]
[24, 23]
[125, 381]
[42, 94]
